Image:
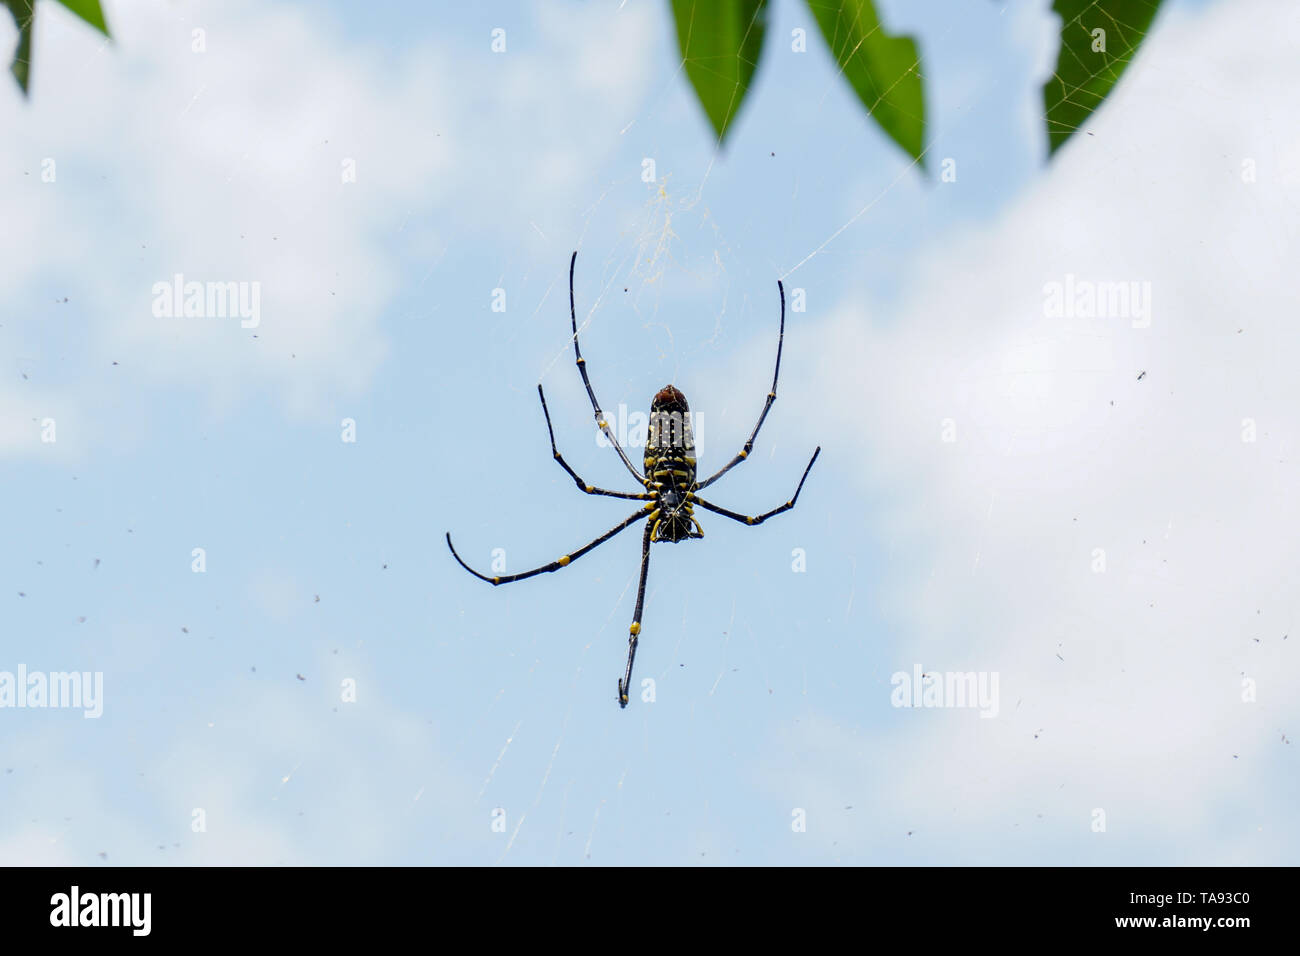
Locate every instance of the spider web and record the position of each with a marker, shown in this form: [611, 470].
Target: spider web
[674, 233]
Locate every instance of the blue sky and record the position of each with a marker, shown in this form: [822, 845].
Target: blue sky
[1120, 689]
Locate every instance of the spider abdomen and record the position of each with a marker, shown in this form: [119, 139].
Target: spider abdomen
[670, 466]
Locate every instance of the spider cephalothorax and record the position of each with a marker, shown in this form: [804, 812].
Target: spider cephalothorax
[670, 489]
[670, 466]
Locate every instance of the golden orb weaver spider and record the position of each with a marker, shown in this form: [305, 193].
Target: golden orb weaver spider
[671, 491]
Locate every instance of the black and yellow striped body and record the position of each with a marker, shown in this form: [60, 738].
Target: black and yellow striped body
[670, 467]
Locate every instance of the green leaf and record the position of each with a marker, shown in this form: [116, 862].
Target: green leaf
[24, 12]
[23, 17]
[88, 10]
[720, 41]
[1090, 63]
[884, 70]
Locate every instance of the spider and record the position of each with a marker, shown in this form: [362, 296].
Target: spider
[671, 491]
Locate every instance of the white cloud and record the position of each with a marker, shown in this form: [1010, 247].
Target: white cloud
[278, 773]
[228, 165]
[1062, 449]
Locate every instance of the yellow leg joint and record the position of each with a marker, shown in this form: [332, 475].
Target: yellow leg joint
[743, 453]
[635, 629]
[564, 561]
[749, 520]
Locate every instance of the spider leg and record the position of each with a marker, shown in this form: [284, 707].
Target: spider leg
[582, 485]
[565, 559]
[582, 370]
[771, 397]
[635, 629]
[746, 519]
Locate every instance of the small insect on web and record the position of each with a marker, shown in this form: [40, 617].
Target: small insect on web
[671, 491]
